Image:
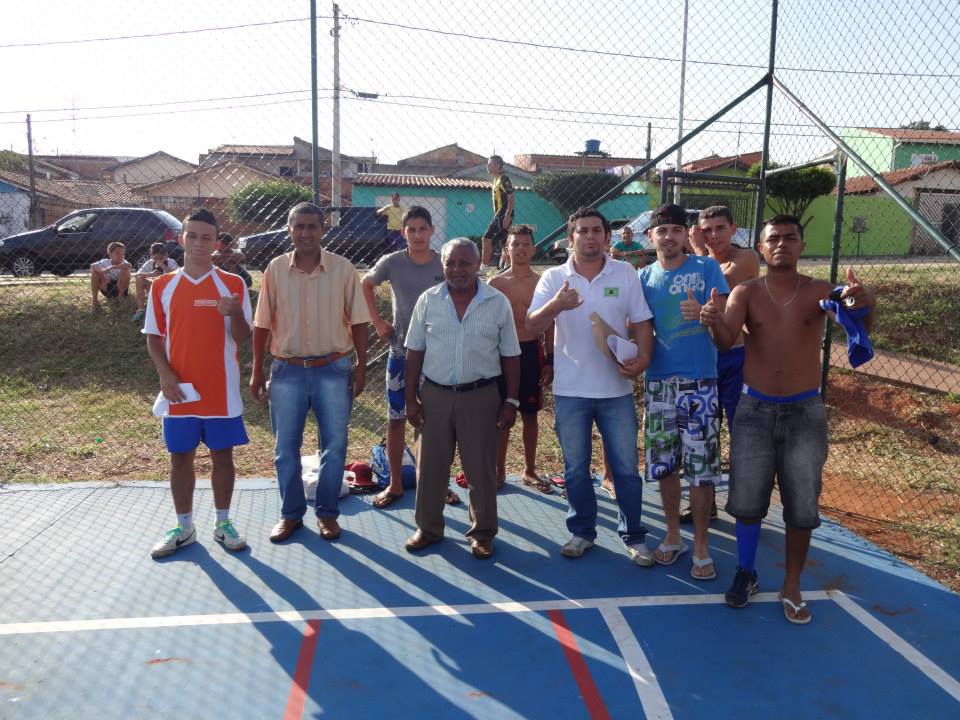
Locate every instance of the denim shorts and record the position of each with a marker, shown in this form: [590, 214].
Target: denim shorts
[783, 440]
[681, 421]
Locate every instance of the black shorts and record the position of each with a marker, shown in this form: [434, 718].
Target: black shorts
[111, 290]
[531, 363]
[496, 230]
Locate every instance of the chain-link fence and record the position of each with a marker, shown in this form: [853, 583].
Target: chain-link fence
[137, 118]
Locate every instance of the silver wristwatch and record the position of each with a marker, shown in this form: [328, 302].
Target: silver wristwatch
[514, 402]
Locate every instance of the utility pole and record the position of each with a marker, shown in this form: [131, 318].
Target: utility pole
[649, 141]
[33, 176]
[336, 170]
[683, 82]
[315, 149]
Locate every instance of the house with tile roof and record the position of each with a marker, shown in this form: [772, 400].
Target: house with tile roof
[888, 149]
[148, 169]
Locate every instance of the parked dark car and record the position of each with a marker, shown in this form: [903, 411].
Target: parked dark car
[360, 236]
[76, 240]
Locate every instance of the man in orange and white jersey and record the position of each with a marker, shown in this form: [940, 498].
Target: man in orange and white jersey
[195, 319]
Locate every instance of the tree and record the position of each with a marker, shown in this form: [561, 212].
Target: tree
[923, 125]
[791, 192]
[266, 202]
[569, 191]
[12, 162]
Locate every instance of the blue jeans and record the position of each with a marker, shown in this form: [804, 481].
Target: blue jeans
[294, 391]
[616, 420]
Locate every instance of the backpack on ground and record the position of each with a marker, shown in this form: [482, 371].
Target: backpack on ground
[381, 466]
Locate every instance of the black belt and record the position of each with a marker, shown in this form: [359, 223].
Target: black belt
[465, 387]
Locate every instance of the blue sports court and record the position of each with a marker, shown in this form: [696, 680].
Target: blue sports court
[91, 627]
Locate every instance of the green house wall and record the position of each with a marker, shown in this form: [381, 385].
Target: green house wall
[469, 210]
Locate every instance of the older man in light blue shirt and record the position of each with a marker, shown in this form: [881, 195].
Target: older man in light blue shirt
[463, 339]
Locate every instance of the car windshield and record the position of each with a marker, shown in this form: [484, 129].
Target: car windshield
[77, 223]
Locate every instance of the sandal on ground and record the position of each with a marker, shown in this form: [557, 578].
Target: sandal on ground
[796, 608]
[451, 498]
[537, 483]
[609, 489]
[677, 550]
[385, 499]
[702, 563]
[461, 479]
[558, 481]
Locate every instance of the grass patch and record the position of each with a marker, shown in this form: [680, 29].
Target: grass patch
[76, 391]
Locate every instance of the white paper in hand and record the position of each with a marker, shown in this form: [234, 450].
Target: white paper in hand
[621, 348]
[161, 404]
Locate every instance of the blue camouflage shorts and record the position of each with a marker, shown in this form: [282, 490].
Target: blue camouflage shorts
[396, 370]
[681, 421]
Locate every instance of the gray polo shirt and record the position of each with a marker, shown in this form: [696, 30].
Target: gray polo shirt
[407, 281]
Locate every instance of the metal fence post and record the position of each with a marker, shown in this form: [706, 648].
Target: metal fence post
[834, 265]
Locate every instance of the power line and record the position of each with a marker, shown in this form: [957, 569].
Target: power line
[657, 58]
[162, 103]
[496, 112]
[484, 38]
[143, 36]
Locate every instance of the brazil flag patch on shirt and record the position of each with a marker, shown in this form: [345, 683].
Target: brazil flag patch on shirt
[611, 292]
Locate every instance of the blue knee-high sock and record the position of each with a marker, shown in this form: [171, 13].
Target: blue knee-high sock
[748, 537]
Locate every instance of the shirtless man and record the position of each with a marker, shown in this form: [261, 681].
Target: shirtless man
[711, 236]
[781, 426]
[536, 354]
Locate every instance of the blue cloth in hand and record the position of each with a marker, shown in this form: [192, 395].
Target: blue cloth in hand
[859, 347]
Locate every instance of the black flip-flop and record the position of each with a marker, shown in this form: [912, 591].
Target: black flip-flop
[385, 499]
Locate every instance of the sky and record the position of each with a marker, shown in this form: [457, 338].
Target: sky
[131, 78]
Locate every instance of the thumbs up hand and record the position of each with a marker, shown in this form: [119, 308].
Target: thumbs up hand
[690, 308]
[230, 306]
[567, 298]
[861, 295]
[711, 313]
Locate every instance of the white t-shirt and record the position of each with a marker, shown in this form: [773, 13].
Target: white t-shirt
[580, 369]
[112, 271]
[148, 267]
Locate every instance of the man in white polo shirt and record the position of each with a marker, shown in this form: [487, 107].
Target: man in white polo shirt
[588, 385]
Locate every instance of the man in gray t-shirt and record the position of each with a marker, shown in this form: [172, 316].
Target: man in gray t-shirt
[409, 273]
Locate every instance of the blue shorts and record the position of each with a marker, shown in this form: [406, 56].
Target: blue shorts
[396, 372]
[730, 381]
[183, 434]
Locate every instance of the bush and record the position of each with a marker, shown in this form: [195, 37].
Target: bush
[569, 191]
[266, 202]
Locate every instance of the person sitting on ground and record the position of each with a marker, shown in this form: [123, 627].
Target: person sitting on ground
[196, 318]
[518, 283]
[628, 250]
[110, 276]
[228, 258]
[159, 263]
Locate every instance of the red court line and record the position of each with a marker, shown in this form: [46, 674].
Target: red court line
[301, 675]
[578, 666]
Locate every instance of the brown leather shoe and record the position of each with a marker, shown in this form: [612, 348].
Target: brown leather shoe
[284, 529]
[482, 548]
[418, 541]
[329, 528]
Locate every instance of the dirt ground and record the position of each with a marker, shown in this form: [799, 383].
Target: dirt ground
[893, 474]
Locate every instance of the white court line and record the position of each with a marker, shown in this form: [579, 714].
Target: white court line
[655, 706]
[289, 616]
[901, 646]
